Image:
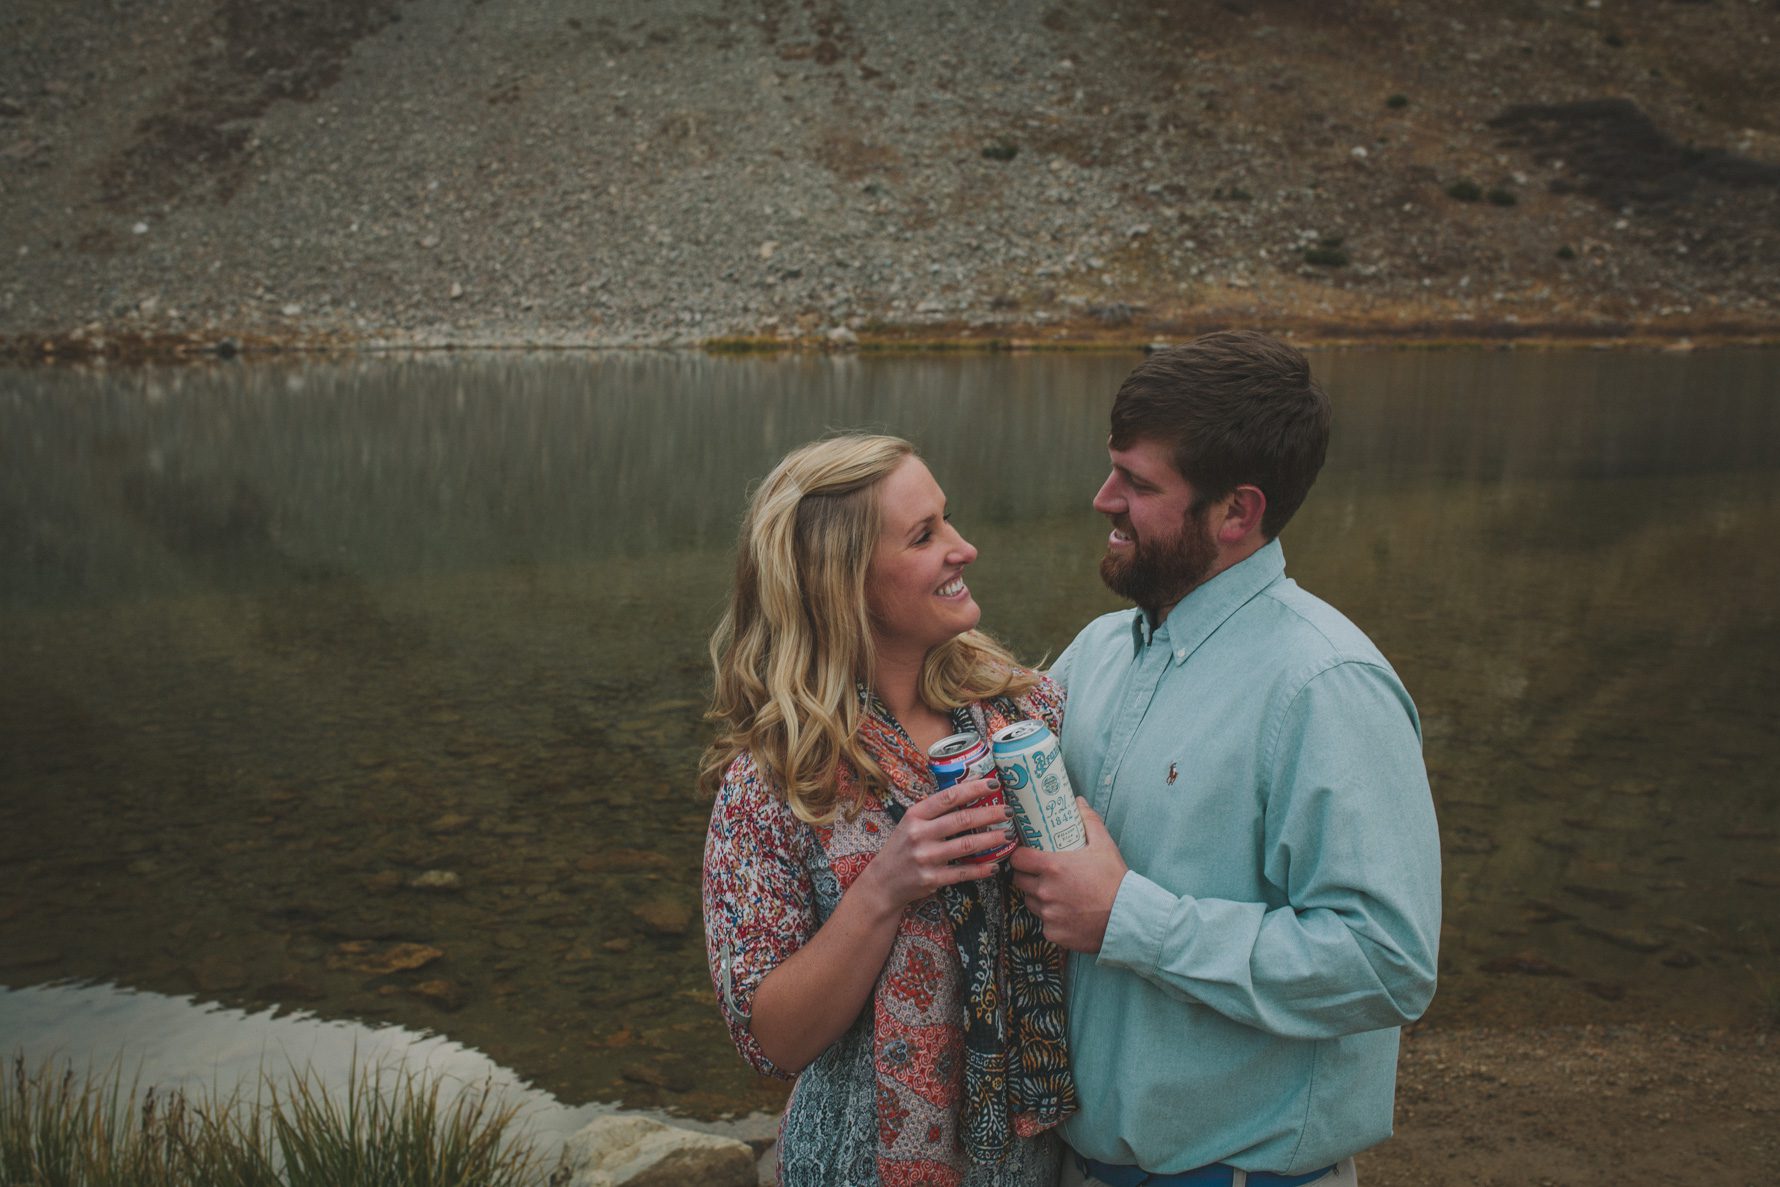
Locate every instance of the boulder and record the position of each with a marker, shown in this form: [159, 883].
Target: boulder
[625, 1151]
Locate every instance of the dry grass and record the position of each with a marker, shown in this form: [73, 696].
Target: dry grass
[387, 1129]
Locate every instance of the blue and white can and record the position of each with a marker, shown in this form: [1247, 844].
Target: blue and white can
[1033, 778]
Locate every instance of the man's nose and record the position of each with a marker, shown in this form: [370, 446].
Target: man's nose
[1108, 500]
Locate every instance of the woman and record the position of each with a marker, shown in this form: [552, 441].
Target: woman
[837, 900]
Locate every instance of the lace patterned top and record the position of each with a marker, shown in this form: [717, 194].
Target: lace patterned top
[770, 881]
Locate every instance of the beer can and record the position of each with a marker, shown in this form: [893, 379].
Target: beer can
[959, 757]
[1032, 774]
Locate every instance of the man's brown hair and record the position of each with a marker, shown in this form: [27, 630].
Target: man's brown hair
[1236, 408]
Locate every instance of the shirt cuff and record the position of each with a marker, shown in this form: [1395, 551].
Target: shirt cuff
[1138, 924]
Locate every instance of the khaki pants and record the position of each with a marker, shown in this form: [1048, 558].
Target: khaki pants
[1342, 1176]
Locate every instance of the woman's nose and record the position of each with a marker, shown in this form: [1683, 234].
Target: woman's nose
[964, 551]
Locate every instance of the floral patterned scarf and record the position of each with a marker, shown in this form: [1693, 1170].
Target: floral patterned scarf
[958, 1074]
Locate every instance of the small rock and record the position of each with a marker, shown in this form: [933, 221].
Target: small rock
[457, 291]
[1526, 963]
[451, 822]
[769, 249]
[1614, 900]
[28, 958]
[292, 310]
[437, 880]
[364, 956]
[626, 1151]
[447, 995]
[663, 916]
[383, 882]
[139, 229]
[1631, 940]
[842, 336]
[430, 242]
[214, 974]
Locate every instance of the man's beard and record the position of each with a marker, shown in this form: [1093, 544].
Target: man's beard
[1155, 575]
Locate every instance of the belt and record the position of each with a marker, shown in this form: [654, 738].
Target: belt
[1218, 1174]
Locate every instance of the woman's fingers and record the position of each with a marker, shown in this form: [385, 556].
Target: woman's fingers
[953, 798]
[975, 819]
[948, 800]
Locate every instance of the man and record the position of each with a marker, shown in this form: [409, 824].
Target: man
[1256, 912]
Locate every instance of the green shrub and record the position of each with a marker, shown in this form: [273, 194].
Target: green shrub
[1464, 190]
[1566, 252]
[1397, 101]
[1501, 197]
[1325, 257]
[1001, 151]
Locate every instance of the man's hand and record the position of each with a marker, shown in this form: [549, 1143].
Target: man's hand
[1072, 893]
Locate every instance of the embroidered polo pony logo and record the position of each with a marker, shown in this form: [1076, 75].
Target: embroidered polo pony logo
[1173, 774]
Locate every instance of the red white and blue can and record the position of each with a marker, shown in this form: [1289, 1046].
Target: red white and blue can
[1031, 766]
[958, 757]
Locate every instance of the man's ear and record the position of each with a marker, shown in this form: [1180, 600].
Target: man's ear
[1242, 515]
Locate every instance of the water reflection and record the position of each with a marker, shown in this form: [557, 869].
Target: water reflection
[373, 688]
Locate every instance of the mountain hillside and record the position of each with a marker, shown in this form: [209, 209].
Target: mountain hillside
[686, 171]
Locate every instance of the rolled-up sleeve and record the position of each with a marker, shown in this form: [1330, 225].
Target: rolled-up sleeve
[758, 900]
[1350, 840]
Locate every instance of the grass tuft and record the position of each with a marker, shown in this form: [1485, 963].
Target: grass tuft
[388, 1129]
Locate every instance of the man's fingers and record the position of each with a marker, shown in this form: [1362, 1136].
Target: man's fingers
[1091, 821]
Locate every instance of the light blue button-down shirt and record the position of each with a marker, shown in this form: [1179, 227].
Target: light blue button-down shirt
[1259, 765]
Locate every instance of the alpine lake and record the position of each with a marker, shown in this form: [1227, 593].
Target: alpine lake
[364, 697]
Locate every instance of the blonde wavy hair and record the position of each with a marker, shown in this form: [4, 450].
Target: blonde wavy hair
[796, 640]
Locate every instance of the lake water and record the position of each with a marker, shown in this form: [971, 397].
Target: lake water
[370, 690]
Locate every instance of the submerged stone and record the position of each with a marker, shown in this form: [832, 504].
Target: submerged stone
[365, 956]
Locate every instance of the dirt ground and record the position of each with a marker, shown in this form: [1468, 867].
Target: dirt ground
[1582, 1106]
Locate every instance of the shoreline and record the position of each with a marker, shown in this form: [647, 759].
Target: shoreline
[127, 347]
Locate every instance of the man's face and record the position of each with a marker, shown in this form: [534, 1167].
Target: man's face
[1160, 547]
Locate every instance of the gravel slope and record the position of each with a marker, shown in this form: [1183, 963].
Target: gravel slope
[461, 172]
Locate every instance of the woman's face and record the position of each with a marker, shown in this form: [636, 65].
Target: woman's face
[914, 586]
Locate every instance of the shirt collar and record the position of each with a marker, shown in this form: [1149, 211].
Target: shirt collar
[1196, 616]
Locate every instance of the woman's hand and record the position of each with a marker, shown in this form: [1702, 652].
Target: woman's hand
[918, 857]
[809, 1001]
